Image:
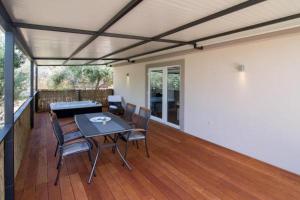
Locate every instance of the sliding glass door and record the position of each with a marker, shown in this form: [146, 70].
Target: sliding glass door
[164, 94]
[156, 93]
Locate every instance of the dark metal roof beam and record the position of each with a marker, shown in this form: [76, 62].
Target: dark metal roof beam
[87, 32]
[246, 28]
[117, 35]
[155, 51]
[53, 28]
[221, 13]
[131, 5]
[278, 20]
[56, 65]
[64, 58]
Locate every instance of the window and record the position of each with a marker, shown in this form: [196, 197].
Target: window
[21, 78]
[74, 77]
[1, 78]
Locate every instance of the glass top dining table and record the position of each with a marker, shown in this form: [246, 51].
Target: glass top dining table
[90, 130]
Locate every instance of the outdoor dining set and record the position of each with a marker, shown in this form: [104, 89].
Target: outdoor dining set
[118, 124]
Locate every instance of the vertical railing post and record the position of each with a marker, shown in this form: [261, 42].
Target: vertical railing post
[36, 78]
[32, 94]
[36, 98]
[9, 115]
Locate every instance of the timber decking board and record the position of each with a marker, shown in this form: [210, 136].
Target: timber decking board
[180, 167]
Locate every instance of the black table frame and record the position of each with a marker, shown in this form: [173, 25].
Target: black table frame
[100, 146]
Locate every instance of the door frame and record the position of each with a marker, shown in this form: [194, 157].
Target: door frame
[163, 89]
[164, 65]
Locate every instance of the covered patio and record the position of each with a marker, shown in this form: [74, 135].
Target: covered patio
[219, 79]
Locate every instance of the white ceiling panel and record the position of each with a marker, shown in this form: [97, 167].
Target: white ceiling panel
[153, 17]
[49, 62]
[52, 44]
[141, 49]
[261, 12]
[266, 29]
[89, 15]
[104, 45]
[149, 18]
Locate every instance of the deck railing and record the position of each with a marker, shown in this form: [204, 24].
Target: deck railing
[45, 97]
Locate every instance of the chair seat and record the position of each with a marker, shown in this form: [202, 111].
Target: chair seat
[134, 136]
[72, 136]
[76, 148]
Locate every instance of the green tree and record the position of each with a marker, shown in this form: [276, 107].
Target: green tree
[21, 77]
[95, 75]
[73, 77]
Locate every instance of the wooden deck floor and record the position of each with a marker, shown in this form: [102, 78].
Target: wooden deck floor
[180, 167]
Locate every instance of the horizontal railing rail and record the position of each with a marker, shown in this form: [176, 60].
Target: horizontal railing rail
[7, 127]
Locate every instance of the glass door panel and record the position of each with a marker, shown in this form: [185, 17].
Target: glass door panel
[173, 98]
[156, 93]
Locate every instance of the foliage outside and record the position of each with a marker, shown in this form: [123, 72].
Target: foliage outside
[156, 81]
[74, 77]
[21, 78]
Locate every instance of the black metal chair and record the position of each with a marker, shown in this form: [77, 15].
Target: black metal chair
[139, 132]
[66, 149]
[127, 116]
[129, 112]
[69, 136]
[115, 104]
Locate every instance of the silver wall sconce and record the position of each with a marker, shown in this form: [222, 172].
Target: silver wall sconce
[241, 68]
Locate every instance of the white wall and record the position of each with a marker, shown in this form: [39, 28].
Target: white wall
[133, 87]
[256, 113]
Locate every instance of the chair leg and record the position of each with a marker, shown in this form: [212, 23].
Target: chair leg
[146, 147]
[115, 141]
[59, 169]
[137, 144]
[125, 153]
[56, 149]
[59, 161]
[105, 139]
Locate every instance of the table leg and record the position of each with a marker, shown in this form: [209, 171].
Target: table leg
[116, 146]
[95, 161]
[122, 157]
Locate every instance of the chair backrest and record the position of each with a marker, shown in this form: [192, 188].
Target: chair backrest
[145, 112]
[142, 119]
[114, 98]
[56, 128]
[129, 111]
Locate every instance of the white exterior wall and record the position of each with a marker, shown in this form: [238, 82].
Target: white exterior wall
[256, 112]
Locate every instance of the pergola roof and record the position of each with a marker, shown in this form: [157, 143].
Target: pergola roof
[76, 32]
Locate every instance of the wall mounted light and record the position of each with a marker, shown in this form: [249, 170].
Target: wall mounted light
[127, 79]
[241, 68]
